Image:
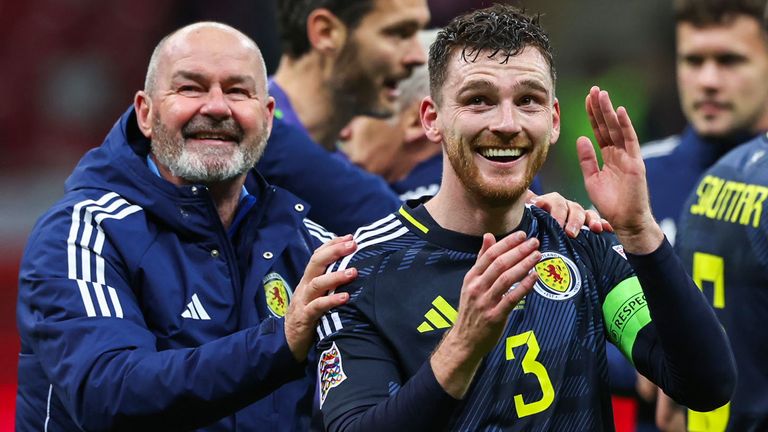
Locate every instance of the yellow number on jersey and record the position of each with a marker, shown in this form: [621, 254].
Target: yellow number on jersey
[710, 268]
[530, 365]
[710, 421]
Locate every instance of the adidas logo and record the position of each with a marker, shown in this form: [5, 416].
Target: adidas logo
[195, 310]
[441, 315]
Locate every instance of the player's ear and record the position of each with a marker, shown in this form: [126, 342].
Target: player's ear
[270, 114]
[325, 31]
[429, 120]
[142, 104]
[555, 122]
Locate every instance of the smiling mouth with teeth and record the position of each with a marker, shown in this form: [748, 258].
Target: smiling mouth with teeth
[501, 154]
[212, 136]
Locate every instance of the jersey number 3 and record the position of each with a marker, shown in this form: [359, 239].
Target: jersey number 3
[531, 366]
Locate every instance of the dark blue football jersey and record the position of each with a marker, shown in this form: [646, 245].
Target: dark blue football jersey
[548, 371]
[723, 242]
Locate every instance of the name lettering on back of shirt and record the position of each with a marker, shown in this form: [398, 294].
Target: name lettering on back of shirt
[729, 201]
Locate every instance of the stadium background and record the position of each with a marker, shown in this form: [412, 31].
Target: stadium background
[71, 67]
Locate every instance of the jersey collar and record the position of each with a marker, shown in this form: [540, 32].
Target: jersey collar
[417, 219]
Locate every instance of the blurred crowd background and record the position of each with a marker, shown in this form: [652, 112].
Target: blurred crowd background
[69, 68]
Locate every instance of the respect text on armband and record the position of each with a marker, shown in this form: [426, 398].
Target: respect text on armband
[625, 313]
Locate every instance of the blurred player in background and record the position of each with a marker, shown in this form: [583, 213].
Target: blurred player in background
[723, 242]
[722, 62]
[340, 59]
[397, 148]
[722, 65]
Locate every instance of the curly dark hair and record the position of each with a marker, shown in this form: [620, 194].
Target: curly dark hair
[501, 30]
[292, 19]
[702, 13]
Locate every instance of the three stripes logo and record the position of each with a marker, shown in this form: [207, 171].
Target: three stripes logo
[329, 324]
[441, 315]
[378, 232]
[85, 261]
[195, 310]
[318, 231]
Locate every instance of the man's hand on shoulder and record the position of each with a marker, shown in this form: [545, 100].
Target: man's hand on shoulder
[310, 301]
[569, 214]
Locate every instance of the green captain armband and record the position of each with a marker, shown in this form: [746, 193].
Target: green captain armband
[625, 312]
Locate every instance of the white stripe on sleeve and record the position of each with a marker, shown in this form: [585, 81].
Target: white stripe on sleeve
[89, 214]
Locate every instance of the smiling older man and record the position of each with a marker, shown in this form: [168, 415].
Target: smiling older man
[164, 291]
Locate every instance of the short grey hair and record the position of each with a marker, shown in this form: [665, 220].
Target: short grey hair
[150, 80]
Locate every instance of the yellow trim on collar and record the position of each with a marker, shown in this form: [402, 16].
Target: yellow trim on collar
[413, 220]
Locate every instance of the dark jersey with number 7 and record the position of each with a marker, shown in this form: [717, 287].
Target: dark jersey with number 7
[723, 242]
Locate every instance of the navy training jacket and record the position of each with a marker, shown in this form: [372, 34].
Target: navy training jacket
[137, 310]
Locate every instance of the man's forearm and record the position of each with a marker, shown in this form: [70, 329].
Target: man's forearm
[190, 387]
[420, 405]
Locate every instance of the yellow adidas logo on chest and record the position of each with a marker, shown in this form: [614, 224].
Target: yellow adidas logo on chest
[442, 315]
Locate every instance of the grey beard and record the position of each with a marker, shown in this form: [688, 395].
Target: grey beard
[203, 166]
[192, 166]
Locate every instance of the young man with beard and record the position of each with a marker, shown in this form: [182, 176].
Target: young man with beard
[437, 335]
[397, 148]
[722, 66]
[722, 62]
[341, 59]
[155, 293]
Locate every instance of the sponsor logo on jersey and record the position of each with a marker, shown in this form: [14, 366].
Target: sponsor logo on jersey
[278, 294]
[330, 371]
[559, 278]
[620, 250]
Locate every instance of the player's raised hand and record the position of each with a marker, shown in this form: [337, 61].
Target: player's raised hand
[310, 301]
[487, 298]
[618, 189]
